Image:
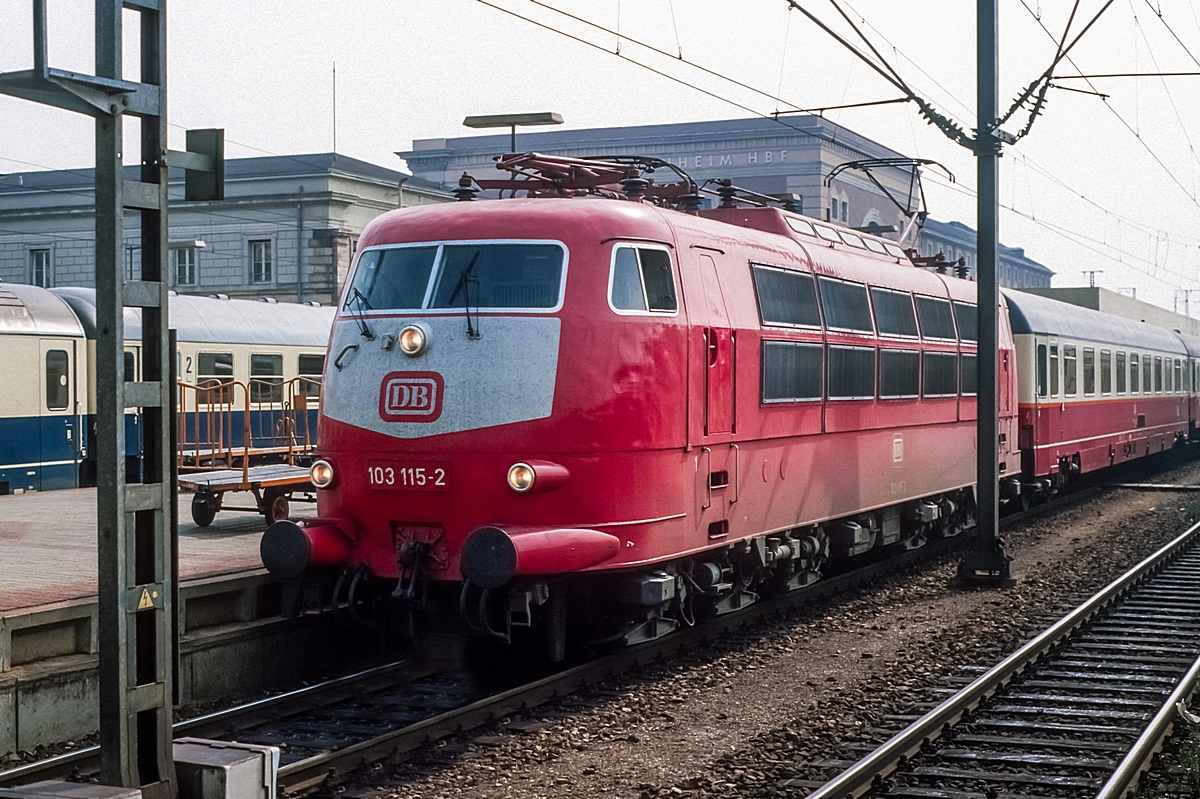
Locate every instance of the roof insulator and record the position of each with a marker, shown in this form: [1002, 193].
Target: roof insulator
[465, 192]
[728, 192]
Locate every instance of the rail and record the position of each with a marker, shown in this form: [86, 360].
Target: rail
[865, 775]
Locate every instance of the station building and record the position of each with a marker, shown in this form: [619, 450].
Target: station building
[792, 156]
[287, 228]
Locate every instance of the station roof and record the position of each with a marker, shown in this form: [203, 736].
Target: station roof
[211, 320]
[30, 310]
[1031, 314]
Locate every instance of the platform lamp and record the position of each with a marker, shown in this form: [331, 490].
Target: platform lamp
[513, 121]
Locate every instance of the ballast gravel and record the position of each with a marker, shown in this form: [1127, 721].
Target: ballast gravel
[772, 710]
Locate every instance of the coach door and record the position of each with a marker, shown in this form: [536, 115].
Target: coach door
[58, 421]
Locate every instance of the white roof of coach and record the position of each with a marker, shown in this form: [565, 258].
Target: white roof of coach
[1031, 314]
[31, 310]
[205, 320]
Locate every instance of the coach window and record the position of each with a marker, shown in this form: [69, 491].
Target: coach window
[1089, 371]
[791, 372]
[1158, 374]
[214, 370]
[894, 313]
[642, 281]
[1105, 372]
[310, 371]
[1134, 373]
[1147, 374]
[966, 315]
[1120, 372]
[937, 320]
[1053, 370]
[851, 373]
[394, 278]
[786, 297]
[266, 378]
[939, 375]
[1042, 369]
[58, 388]
[1070, 371]
[1178, 384]
[899, 374]
[846, 306]
[968, 373]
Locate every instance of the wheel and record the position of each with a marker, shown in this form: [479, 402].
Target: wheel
[204, 509]
[276, 504]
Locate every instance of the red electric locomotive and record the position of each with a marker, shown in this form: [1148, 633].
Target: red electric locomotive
[611, 417]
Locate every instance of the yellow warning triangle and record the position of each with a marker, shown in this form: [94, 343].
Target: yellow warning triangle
[145, 601]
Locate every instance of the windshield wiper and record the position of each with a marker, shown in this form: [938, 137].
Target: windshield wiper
[463, 285]
[363, 330]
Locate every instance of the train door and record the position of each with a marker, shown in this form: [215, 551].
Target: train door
[58, 411]
[711, 370]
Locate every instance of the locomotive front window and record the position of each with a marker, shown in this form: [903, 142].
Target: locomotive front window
[966, 315]
[641, 280]
[937, 320]
[498, 276]
[393, 279]
[786, 298]
[894, 313]
[791, 372]
[846, 306]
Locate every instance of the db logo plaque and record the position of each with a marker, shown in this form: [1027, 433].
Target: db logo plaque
[411, 397]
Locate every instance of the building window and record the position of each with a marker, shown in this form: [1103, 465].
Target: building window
[833, 210]
[185, 267]
[39, 268]
[260, 261]
[844, 206]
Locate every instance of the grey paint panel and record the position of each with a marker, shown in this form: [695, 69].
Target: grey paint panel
[506, 376]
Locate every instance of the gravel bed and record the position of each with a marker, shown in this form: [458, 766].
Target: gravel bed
[776, 708]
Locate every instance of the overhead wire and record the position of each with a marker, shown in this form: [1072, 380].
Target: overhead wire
[955, 187]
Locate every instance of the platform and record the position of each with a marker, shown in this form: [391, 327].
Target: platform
[48, 545]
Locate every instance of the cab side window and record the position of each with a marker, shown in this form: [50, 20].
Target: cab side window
[641, 281]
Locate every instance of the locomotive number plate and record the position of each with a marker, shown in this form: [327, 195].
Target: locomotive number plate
[408, 476]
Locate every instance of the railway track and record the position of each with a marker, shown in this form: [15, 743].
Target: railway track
[1079, 710]
[327, 731]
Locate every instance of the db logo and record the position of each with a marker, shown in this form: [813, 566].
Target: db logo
[411, 397]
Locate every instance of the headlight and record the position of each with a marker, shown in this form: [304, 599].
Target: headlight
[520, 477]
[321, 474]
[414, 339]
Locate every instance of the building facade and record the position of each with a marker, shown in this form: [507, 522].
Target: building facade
[792, 156]
[287, 228]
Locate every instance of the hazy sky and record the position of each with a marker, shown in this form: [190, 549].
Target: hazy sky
[1097, 185]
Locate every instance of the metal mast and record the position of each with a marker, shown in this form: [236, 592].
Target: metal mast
[134, 525]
